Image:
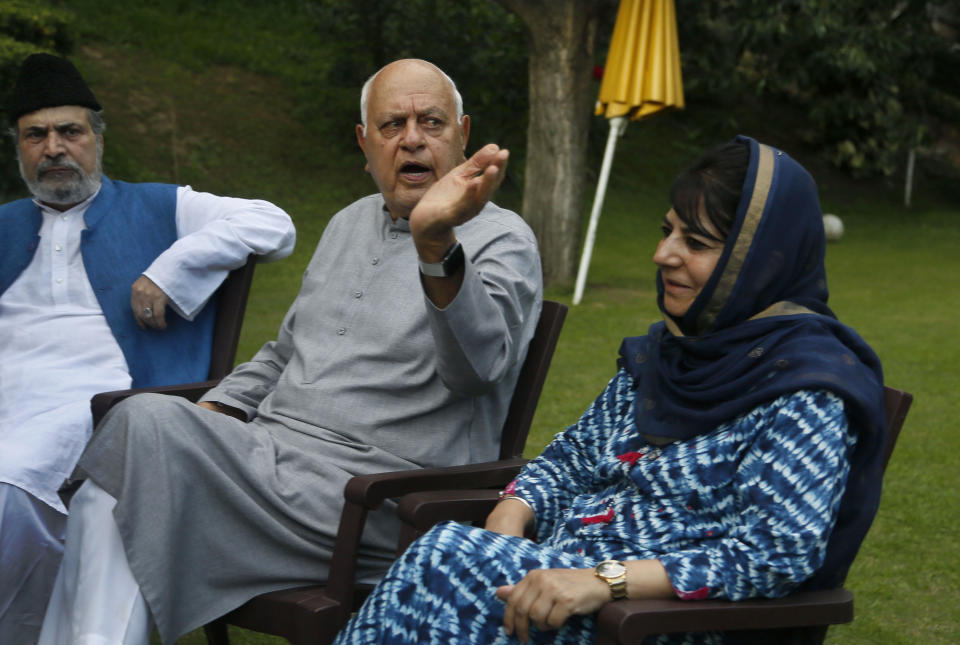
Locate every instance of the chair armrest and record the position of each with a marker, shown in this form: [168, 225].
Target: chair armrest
[101, 403]
[418, 512]
[367, 492]
[370, 491]
[424, 509]
[627, 621]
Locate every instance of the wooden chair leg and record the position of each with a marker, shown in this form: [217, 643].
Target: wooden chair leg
[216, 633]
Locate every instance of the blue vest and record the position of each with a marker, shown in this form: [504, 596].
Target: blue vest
[128, 226]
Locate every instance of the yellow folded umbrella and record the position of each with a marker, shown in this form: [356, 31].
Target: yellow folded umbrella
[642, 74]
[641, 78]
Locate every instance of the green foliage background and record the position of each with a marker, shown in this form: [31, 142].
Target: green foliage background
[871, 77]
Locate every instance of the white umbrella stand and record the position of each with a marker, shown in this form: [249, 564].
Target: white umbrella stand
[618, 126]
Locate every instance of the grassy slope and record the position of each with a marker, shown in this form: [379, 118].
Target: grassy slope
[177, 112]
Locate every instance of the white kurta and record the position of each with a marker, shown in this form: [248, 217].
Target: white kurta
[56, 349]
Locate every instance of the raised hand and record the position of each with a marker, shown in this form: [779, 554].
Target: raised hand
[454, 199]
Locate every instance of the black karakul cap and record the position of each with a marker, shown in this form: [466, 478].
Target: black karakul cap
[48, 81]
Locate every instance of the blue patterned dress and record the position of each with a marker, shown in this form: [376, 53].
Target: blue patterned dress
[740, 512]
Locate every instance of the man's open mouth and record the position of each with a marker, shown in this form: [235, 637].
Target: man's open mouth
[414, 171]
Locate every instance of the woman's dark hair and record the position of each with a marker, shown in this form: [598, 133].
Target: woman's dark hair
[714, 181]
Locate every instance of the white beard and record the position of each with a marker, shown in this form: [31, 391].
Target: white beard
[63, 194]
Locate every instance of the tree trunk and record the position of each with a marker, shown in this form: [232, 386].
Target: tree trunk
[561, 59]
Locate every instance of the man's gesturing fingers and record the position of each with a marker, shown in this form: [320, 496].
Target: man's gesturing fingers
[460, 194]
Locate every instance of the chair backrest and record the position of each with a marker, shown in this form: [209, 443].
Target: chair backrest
[526, 394]
[231, 305]
[897, 404]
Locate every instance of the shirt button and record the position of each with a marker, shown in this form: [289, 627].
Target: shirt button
[59, 280]
[394, 235]
[341, 331]
[59, 248]
[357, 294]
[375, 261]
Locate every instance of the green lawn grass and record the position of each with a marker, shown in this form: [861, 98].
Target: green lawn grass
[224, 114]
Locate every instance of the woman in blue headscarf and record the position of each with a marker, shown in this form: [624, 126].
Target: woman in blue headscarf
[735, 454]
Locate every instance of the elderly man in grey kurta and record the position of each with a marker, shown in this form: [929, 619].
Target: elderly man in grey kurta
[401, 350]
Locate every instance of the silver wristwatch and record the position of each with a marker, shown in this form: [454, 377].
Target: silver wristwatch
[451, 263]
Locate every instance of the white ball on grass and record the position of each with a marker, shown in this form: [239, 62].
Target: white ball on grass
[833, 227]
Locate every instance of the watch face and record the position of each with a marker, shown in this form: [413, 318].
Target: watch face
[611, 569]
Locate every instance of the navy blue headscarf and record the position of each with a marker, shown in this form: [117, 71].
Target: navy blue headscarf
[760, 328]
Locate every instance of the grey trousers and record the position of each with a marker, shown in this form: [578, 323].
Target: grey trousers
[213, 511]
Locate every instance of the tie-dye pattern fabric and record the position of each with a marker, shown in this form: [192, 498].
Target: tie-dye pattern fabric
[740, 512]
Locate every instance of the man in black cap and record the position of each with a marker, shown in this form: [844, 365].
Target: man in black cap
[88, 268]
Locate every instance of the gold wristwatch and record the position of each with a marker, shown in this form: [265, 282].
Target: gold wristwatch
[614, 573]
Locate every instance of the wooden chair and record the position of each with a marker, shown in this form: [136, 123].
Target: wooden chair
[231, 305]
[801, 617]
[313, 615]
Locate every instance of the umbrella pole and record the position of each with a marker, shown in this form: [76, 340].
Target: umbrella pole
[618, 125]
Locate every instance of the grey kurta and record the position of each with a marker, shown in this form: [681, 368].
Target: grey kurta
[366, 375]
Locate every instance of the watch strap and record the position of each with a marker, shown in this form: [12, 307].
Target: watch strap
[453, 260]
[617, 583]
[618, 587]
